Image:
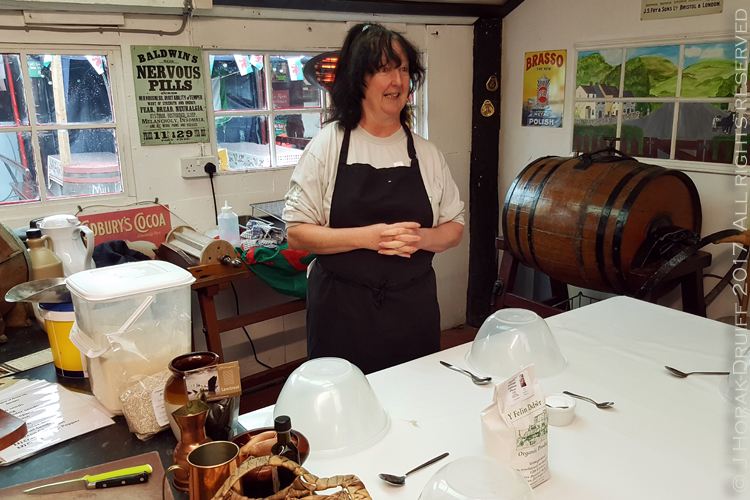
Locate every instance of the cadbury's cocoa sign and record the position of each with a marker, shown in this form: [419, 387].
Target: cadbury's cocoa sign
[140, 224]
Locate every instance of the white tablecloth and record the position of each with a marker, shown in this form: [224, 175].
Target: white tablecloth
[665, 438]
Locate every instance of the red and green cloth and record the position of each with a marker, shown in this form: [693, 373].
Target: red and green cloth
[285, 270]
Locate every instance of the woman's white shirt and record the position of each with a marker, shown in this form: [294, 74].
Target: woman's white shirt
[311, 187]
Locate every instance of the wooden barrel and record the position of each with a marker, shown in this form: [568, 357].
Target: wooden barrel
[14, 265]
[581, 220]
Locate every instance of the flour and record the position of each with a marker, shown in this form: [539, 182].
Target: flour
[514, 426]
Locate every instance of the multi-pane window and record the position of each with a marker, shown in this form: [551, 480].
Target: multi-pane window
[57, 127]
[265, 112]
[671, 101]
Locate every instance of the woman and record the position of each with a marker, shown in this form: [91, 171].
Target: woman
[374, 203]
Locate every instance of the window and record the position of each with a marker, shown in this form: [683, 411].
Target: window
[668, 101]
[58, 135]
[260, 100]
[252, 104]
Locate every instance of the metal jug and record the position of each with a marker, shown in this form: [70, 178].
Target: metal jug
[65, 231]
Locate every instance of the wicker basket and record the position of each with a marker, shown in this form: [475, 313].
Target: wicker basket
[303, 487]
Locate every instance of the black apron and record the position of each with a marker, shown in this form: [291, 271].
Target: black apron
[374, 310]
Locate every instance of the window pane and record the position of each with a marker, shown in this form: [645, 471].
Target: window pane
[413, 122]
[238, 82]
[593, 122]
[80, 162]
[648, 131]
[705, 132]
[709, 70]
[598, 73]
[13, 110]
[290, 90]
[293, 132]
[245, 139]
[18, 180]
[70, 89]
[652, 71]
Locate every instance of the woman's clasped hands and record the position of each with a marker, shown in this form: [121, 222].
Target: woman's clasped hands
[400, 239]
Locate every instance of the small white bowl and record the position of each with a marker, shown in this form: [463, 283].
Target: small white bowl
[561, 409]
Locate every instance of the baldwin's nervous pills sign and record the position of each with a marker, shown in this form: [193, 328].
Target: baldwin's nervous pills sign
[169, 95]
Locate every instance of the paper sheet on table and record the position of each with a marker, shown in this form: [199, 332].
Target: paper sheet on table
[52, 414]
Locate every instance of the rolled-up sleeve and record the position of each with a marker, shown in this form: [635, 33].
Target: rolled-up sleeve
[304, 202]
[450, 206]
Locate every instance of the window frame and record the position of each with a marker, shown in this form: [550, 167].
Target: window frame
[682, 41]
[119, 124]
[270, 113]
[420, 103]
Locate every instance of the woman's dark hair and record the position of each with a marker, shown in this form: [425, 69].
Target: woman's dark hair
[362, 55]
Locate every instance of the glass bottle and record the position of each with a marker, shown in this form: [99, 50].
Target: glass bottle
[284, 447]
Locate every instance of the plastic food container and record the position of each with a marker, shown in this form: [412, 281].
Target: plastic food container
[511, 339]
[59, 318]
[331, 402]
[477, 478]
[131, 319]
[561, 409]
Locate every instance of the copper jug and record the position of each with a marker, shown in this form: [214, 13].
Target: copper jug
[193, 434]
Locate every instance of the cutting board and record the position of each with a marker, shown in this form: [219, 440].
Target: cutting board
[12, 429]
[148, 491]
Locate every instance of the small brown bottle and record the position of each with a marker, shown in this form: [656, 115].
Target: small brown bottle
[284, 447]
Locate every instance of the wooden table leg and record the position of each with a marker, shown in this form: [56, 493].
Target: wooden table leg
[692, 293]
[210, 321]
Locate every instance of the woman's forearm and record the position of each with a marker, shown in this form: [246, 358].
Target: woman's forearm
[440, 238]
[323, 240]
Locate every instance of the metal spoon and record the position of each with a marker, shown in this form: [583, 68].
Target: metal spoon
[603, 405]
[681, 374]
[474, 378]
[400, 480]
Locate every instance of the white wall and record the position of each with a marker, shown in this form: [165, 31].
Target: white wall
[153, 171]
[538, 25]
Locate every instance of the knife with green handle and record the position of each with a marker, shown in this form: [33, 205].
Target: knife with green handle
[121, 477]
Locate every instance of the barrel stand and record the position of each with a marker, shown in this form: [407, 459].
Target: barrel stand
[503, 295]
[688, 275]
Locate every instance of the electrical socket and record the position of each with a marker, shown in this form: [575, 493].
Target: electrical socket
[195, 166]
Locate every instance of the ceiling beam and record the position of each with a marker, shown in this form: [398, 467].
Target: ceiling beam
[392, 7]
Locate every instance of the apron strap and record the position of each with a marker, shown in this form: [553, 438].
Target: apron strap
[410, 147]
[344, 148]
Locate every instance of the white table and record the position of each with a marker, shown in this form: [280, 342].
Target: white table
[665, 438]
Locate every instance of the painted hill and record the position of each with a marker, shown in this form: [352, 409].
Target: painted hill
[647, 76]
[660, 70]
[709, 78]
[656, 76]
[592, 69]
